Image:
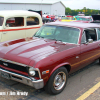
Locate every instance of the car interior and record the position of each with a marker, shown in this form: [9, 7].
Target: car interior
[90, 34]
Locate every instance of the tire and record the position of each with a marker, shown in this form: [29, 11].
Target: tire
[99, 61]
[57, 81]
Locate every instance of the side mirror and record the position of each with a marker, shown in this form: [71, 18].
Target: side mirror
[90, 40]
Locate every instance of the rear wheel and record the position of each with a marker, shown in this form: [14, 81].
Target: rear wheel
[57, 81]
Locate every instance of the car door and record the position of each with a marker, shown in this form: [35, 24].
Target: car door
[14, 28]
[98, 38]
[89, 48]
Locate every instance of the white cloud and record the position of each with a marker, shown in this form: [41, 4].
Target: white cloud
[79, 4]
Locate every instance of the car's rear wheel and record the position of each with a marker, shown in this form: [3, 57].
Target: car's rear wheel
[57, 81]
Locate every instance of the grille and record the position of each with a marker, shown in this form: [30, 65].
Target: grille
[13, 66]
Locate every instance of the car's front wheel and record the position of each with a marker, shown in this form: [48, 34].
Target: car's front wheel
[57, 81]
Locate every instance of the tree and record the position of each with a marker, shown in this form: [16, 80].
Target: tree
[86, 11]
[68, 11]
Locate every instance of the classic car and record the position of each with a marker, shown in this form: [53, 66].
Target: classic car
[52, 17]
[44, 19]
[56, 50]
[68, 18]
[84, 19]
[96, 18]
[16, 24]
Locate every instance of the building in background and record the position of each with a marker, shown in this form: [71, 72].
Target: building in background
[50, 7]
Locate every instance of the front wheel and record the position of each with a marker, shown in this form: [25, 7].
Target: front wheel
[99, 61]
[57, 81]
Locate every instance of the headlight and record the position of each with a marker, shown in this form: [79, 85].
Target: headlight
[32, 71]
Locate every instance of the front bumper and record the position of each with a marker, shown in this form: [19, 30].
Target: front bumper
[37, 84]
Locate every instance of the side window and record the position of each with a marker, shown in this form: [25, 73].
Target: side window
[98, 32]
[91, 34]
[15, 22]
[83, 39]
[1, 20]
[32, 21]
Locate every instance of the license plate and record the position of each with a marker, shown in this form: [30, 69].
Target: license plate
[5, 75]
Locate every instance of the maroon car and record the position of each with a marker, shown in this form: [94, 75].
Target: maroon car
[46, 59]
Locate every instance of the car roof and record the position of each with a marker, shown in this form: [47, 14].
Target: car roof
[6, 13]
[75, 24]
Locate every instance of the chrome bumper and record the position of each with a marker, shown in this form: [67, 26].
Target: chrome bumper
[37, 84]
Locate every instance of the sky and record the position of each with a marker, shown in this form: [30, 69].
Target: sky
[73, 4]
[79, 4]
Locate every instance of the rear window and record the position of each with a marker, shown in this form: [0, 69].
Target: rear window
[1, 20]
[32, 21]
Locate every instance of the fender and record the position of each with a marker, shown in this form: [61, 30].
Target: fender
[62, 64]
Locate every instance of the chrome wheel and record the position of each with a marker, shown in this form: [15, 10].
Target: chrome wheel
[59, 81]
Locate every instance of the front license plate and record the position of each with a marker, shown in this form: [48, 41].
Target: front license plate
[5, 75]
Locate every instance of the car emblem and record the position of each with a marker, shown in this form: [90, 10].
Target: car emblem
[5, 64]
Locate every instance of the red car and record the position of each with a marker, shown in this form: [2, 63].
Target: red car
[51, 16]
[46, 59]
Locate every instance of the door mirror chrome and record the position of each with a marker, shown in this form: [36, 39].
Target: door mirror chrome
[90, 40]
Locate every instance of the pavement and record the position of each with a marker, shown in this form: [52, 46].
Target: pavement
[82, 85]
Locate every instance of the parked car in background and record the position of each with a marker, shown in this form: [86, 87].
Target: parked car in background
[96, 18]
[56, 50]
[84, 19]
[44, 19]
[16, 24]
[61, 16]
[52, 17]
[68, 18]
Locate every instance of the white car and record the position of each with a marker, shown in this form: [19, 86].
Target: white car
[16, 24]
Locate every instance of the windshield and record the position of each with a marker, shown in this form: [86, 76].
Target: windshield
[1, 20]
[59, 33]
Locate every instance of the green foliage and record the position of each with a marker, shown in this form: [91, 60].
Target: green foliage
[85, 10]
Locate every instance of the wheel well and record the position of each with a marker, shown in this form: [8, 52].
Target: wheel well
[68, 67]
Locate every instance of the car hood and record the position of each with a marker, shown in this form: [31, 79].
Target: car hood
[35, 49]
[95, 17]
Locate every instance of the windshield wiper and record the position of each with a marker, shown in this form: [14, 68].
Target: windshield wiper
[56, 39]
[37, 36]
[41, 37]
